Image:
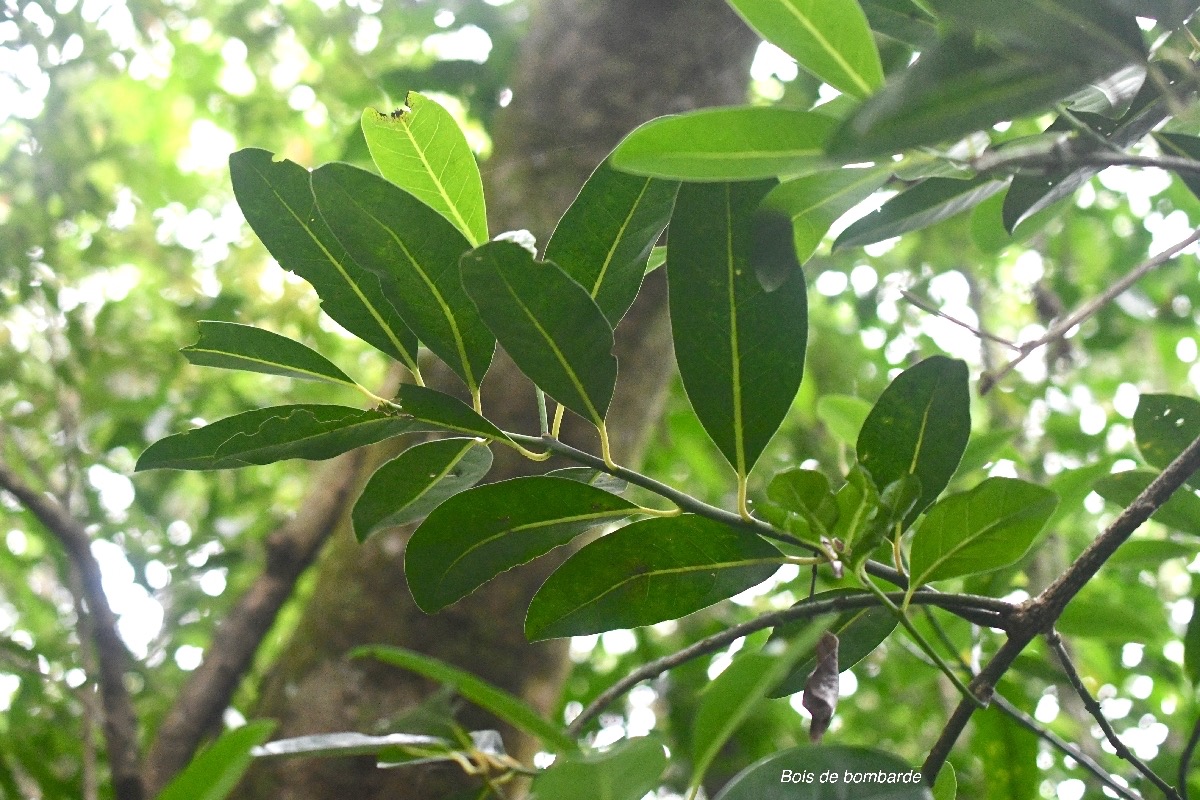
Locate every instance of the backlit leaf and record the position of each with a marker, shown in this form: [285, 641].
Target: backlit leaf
[626, 771]
[829, 38]
[649, 571]
[277, 201]
[478, 534]
[722, 144]
[421, 149]
[989, 527]
[213, 773]
[919, 426]
[391, 233]
[814, 202]
[267, 435]
[233, 346]
[605, 238]
[548, 324]
[415, 482]
[925, 204]
[843, 415]
[1181, 512]
[740, 348]
[491, 698]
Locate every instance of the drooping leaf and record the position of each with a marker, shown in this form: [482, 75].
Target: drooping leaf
[795, 774]
[989, 527]
[626, 771]
[919, 426]
[1181, 512]
[821, 690]
[444, 412]
[740, 348]
[649, 571]
[277, 201]
[605, 238]
[726, 144]
[814, 202]
[391, 233]
[478, 534]
[548, 324]
[267, 435]
[421, 149]
[415, 482]
[927, 203]
[1191, 645]
[729, 699]
[233, 346]
[946, 785]
[1164, 425]
[1032, 193]
[903, 21]
[843, 415]
[1096, 36]
[214, 773]
[491, 698]
[955, 88]
[829, 38]
[859, 632]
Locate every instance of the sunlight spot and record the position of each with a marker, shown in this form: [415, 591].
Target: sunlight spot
[771, 62]
[468, 43]
[116, 490]
[618, 642]
[188, 657]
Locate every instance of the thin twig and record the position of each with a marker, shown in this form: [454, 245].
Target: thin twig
[1093, 707]
[1089, 308]
[120, 721]
[930, 308]
[986, 606]
[1040, 613]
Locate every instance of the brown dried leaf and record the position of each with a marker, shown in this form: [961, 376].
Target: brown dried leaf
[821, 688]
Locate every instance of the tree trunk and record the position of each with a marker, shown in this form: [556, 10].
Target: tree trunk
[589, 72]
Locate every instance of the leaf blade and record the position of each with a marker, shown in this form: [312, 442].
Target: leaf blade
[927, 203]
[814, 202]
[478, 534]
[740, 348]
[421, 149]
[213, 774]
[548, 324]
[673, 565]
[233, 346]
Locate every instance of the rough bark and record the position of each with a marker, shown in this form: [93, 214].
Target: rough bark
[589, 72]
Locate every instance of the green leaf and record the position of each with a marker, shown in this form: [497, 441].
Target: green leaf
[929, 202]
[605, 238]
[859, 632]
[444, 412]
[1149, 554]
[267, 435]
[729, 699]
[829, 38]
[858, 506]
[217, 769]
[626, 771]
[954, 89]
[726, 144]
[415, 482]
[1164, 425]
[1182, 146]
[277, 201]
[421, 149]
[1191, 644]
[946, 785]
[233, 346]
[478, 534]
[843, 415]
[490, 698]
[1181, 512]
[815, 202]
[1008, 754]
[919, 426]
[1127, 612]
[740, 348]
[802, 491]
[391, 233]
[352, 743]
[548, 324]
[984, 529]
[903, 21]
[796, 774]
[652, 570]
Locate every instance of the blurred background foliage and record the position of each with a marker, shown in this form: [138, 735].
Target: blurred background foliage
[118, 231]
